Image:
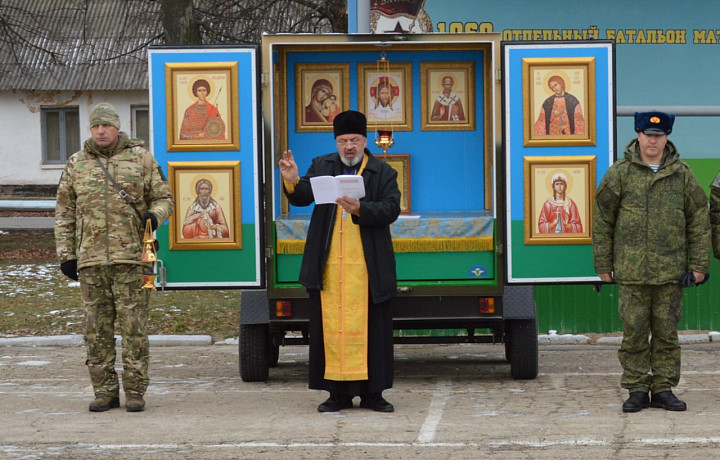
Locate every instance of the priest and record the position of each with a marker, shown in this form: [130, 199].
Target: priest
[348, 268]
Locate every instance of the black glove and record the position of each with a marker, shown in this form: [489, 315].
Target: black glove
[69, 269]
[153, 220]
[688, 280]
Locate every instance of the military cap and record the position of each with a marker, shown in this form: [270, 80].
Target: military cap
[654, 122]
[104, 114]
[350, 122]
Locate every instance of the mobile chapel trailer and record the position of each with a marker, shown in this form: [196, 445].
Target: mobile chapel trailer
[469, 244]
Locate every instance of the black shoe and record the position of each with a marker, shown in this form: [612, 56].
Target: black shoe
[335, 403]
[668, 401]
[103, 403]
[637, 401]
[376, 403]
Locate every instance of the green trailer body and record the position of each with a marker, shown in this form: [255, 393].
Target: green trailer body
[468, 246]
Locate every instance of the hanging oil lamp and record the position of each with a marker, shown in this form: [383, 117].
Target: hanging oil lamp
[384, 139]
[149, 256]
[383, 128]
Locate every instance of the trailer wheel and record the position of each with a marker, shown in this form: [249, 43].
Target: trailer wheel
[255, 352]
[523, 348]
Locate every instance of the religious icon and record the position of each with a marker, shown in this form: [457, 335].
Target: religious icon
[448, 95]
[401, 163]
[207, 212]
[559, 192]
[559, 101]
[321, 93]
[385, 97]
[202, 106]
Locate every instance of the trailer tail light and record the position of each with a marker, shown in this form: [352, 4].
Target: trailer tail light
[486, 305]
[283, 308]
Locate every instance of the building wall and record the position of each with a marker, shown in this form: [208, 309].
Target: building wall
[21, 144]
[666, 51]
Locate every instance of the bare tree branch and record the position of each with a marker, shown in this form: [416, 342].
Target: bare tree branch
[41, 35]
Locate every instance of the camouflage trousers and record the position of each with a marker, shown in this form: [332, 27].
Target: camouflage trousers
[109, 293]
[653, 311]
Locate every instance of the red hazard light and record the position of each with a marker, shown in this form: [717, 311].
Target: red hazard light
[486, 305]
[283, 308]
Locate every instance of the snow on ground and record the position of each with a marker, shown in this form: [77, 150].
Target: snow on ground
[32, 279]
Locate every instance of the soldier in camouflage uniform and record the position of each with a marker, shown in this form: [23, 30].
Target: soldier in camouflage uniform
[715, 215]
[99, 237]
[650, 228]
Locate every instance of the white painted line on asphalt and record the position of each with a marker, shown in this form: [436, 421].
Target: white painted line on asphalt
[674, 441]
[435, 412]
[567, 442]
[605, 374]
[677, 442]
[345, 444]
[562, 442]
[607, 442]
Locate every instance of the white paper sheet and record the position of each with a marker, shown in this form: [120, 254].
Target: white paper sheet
[327, 189]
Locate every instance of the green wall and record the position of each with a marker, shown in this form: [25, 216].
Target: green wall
[572, 309]
[210, 266]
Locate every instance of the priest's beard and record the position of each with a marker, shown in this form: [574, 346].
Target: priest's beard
[352, 161]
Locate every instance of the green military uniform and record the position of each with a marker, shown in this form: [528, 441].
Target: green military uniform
[98, 228]
[650, 228]
[715, 215]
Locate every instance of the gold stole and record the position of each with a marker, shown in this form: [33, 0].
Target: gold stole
[344, 300]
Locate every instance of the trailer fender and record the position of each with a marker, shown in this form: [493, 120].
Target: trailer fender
[519, 303]
[254, 307]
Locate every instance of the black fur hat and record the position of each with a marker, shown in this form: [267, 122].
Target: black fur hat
[350, 122]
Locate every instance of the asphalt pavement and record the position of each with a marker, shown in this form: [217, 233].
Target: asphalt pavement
[452, 402]
[552, 416]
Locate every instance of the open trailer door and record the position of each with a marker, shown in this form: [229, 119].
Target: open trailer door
[205, 133]
[559, 118]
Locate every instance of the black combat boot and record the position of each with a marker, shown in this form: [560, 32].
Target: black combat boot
[668, 401]
[637, 401]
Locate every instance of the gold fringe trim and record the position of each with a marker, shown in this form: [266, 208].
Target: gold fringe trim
[482, 243]
[290, 246]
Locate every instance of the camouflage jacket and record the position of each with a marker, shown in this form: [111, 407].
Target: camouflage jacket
[715, 215]
[93, 223]
[650, 227]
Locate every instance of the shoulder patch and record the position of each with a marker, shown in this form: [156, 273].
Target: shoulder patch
[162, 174]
